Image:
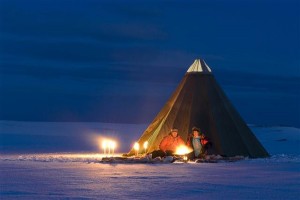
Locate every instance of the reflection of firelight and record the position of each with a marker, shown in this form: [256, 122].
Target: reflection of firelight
[183, 150]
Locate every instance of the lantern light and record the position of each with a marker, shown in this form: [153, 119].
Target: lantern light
[104, 146]
[146, 146]
[136, 148]
[108, 147]
[113, 146]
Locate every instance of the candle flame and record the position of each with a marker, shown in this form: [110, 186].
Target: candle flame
[136, 146]
[104, 144]
[113, 144]
[146, 144]
[108, 145]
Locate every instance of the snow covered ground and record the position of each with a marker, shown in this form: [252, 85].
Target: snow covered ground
[33, 167]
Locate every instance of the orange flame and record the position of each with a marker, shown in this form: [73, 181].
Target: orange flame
[183, 150]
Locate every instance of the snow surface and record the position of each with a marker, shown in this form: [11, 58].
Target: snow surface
[30, 169]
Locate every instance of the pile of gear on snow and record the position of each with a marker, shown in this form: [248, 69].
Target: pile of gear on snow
[169, 159]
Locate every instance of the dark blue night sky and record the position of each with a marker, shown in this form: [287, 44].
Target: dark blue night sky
[119, 61]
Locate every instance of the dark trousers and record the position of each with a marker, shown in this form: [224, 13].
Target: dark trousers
[160, 153]
[191, 156]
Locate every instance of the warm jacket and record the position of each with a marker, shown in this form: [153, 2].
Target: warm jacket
[170, 143]
[204, 141]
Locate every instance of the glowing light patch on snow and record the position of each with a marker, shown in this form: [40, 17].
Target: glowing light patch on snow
[183, 150]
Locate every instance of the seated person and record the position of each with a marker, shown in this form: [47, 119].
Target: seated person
[199, 142]
[168, 145]
[206, 144]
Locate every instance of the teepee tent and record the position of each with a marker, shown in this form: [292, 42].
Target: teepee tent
[199, 101]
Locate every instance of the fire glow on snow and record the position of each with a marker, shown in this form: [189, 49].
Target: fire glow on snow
[183, 150]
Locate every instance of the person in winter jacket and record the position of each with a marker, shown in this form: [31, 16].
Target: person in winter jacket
[199, 143]
[171, 141]
[206, 144]
[168, 145]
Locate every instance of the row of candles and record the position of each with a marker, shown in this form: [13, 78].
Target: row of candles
[109, 146]
[136, 147]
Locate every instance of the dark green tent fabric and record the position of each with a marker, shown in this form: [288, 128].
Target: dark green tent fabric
[199, 101]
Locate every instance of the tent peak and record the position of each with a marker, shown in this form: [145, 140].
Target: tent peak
[199, 66]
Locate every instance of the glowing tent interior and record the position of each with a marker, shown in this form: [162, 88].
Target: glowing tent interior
[199, 101]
